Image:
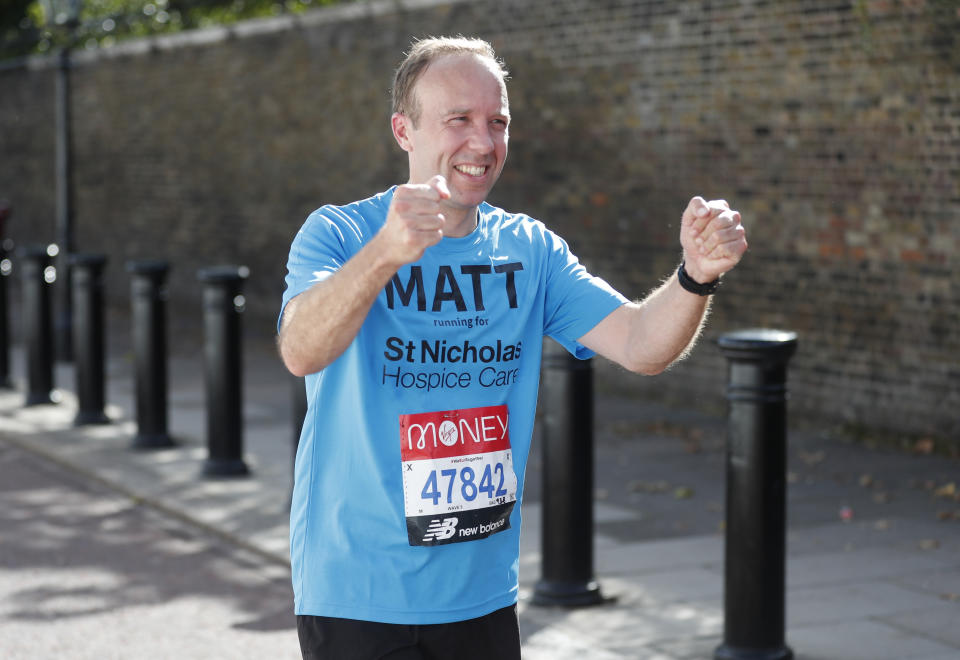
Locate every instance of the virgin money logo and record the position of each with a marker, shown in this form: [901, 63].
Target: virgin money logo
[448, 433]
[451, 433]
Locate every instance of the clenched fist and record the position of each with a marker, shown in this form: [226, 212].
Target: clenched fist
[415, 220]
[712, 238]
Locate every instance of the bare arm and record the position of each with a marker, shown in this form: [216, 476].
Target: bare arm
[320, 323]
[649, 336]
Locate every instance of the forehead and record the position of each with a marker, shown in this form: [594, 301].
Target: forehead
[462, 82]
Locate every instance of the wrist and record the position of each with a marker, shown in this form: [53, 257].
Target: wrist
[382, 257]
[692, 284]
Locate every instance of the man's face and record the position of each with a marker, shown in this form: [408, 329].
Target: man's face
[462, 131]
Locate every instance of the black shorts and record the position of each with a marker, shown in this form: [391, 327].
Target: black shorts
[494, 636]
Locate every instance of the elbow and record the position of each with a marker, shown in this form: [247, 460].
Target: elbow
[643, 367]
[297, 364]
[300, 368]
[652, 370]
[654, 367]
[647, 369]
[294, 366]
[297, 370]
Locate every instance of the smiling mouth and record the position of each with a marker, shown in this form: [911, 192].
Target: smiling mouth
[471, 170]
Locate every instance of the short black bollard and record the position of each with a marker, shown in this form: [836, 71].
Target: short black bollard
[567, 577]
[222, 306]
[88, 337]
[755, 537]
[36, 277]
[148, 303]
[5, 268]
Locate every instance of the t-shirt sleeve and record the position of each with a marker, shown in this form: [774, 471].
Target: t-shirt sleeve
[318, 250]
[575, 300]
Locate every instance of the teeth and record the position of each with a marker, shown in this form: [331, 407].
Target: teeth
[472, 170]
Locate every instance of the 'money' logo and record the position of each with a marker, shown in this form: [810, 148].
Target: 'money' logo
[447, 289]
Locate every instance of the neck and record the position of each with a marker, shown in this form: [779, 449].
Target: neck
[460, 222]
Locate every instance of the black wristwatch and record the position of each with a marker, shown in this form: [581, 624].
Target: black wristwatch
[693, 286]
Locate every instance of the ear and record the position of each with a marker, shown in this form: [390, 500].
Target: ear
[401, 126]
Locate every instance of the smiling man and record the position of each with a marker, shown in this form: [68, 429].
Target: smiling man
[456, 126]
[417, 317]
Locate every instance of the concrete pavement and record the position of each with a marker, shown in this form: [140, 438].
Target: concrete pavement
[88, 573]
[873, 543]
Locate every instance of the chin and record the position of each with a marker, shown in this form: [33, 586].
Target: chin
[468, 201]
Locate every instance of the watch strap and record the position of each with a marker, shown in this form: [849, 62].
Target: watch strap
[693, 286]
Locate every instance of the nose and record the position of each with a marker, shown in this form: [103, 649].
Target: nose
[482, 139]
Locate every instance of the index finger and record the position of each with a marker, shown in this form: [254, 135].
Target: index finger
[439, 183]
[704, 212]
[697, 214]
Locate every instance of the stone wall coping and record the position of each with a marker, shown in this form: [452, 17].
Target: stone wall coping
[253, 27]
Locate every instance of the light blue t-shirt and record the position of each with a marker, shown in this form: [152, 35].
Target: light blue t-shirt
[410, 468]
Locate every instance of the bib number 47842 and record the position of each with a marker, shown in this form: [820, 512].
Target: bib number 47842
[466, 481]
[458, 477]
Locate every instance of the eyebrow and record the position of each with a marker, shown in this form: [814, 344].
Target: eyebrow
[467, 111]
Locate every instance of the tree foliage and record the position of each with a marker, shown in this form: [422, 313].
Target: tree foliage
[37, 26]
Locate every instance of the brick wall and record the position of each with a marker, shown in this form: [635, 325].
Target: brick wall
[833, 126]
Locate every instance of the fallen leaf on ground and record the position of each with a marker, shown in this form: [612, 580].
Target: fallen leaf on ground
[924, 446]
[638, 486]
[929, 544]
[947, 490]
[812, 457]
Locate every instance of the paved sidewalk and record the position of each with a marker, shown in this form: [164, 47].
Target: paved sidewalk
[873, 543]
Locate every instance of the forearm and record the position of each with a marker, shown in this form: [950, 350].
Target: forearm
[320, 323]
[665, 326]
[648, 336]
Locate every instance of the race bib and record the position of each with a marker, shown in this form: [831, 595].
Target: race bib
[458, 478]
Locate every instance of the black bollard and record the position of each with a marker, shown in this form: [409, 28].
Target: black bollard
[148, 302]
[5, 268]
[755, 537]
[222, 306]
[36, 275]
[567, 577]
[88, 337]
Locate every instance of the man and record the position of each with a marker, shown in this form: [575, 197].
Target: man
[417, 316]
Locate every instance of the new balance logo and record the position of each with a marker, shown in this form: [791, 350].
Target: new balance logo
[440, 530]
